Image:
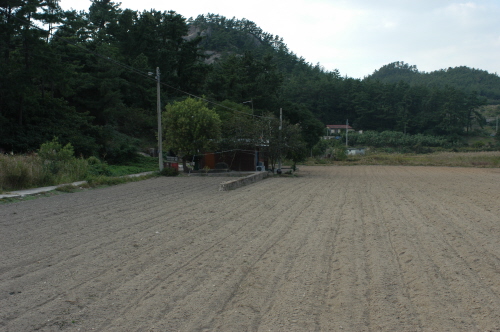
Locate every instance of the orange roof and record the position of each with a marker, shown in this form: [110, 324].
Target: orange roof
[338, 127]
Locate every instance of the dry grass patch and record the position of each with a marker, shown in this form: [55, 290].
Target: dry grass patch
[451, 159]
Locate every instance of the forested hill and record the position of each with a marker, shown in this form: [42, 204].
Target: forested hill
[223, 37]
[84, 78]
[463, 78]
[231, 35]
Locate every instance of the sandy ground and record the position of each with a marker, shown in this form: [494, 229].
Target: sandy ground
[364, 248]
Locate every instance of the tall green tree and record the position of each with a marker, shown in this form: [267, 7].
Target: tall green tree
[32, 81]
[281, 140]
[190, 128]
[239, 128]
[246, 78]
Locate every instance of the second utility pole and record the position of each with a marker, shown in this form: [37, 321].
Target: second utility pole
[347, 133]
[279, 142]
[158, 110]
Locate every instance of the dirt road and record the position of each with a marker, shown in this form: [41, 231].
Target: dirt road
[364, 248]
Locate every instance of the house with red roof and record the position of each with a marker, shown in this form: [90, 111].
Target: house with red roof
[333, 130]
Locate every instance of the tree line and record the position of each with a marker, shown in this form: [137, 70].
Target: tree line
[485, 84]
[83, 76]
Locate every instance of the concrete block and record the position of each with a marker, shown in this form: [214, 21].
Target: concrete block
[240, 182]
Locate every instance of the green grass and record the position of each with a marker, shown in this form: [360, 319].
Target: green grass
[142, 164]
[68, 188]
[23, 172]
[29, 197]
[102, 181]
[92, 182]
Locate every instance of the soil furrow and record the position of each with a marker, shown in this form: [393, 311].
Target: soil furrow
[361, 248]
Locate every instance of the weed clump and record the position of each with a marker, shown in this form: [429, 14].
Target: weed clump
[97, 167]
[169, 171]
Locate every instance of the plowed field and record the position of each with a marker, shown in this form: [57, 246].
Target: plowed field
[361, 248]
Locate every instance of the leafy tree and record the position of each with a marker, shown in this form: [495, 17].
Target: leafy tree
[161, 38]
[330, 148]
[54, 155]
[33, 81]
[103, 17]
[190, 128]
[287, 142]
[311, 128]
[473, 103]
[242, 78]
[239, 128]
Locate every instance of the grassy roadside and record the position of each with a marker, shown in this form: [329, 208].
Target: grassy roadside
[117, 174]
[30, 171]
[142, 164]
[93, 183]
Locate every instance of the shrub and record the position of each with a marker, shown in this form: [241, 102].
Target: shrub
[139, 165]
[330, 148]
[18, 172]
[54, 155]
[97, 167]
[169, 171]
[340, 153]
[478, 144]
[120, 148]
[320, 161]
[15, 174]
[101, 180]
[60, 164]
[69, 188]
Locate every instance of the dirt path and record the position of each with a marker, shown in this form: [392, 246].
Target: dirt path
[337, 249]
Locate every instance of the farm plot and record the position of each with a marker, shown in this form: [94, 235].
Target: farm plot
[337, 249]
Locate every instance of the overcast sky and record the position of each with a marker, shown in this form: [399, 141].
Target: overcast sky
[359, 36]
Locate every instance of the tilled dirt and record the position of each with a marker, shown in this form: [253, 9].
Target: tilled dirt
[362, 248]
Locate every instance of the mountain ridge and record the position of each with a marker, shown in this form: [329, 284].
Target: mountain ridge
[462, 77]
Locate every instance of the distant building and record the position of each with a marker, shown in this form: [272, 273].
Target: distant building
[332, 130]
[247, 160]
[355, 151]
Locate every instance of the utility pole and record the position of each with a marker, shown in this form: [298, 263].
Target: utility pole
[251, 102]
[279, 142]
[346, 133]
[158, 109]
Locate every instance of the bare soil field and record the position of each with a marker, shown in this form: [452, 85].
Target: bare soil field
[361, 248]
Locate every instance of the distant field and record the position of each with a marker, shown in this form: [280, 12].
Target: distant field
[358, 248]
[452, 159]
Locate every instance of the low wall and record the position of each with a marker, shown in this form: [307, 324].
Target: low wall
[240, 182]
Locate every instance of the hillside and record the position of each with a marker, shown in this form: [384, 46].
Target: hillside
[464, 78]
[223, 37]
[394, 98]
[96, 93]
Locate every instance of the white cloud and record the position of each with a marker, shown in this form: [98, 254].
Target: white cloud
[460, 9]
